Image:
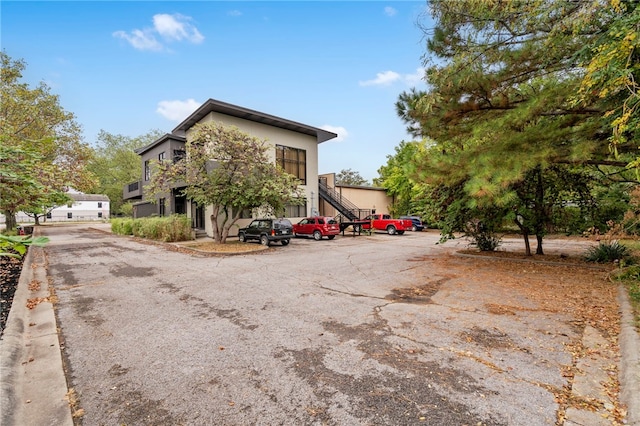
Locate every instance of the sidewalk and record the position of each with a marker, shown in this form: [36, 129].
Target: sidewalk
[34, 387]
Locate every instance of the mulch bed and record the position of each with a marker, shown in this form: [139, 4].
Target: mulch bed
[10, 269]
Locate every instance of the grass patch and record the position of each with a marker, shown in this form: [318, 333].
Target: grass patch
[630, 277]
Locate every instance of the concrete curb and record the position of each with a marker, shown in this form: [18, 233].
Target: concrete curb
[629, 342]
[34, 387]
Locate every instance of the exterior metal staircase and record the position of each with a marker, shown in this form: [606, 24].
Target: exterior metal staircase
[344, 206]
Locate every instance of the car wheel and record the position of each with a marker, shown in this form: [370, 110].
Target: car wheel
[414, 228]
[285, 242]
[331, 237]
[317, 235]
[400, 232]
[391, 230]
[241, 237]
[264, 240]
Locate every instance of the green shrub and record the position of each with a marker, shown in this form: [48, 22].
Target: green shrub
[17, 245]
[170, 229]
[482, 236]
[607, 252]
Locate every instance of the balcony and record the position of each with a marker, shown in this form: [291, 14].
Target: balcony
[133, 191]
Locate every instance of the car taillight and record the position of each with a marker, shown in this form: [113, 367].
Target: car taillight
[273, 232]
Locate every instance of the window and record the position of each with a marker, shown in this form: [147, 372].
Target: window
[295, 211]
[246, 214]
[161, 157]
[293, 161]
[100, 214]
[69, 215]
[48, 215]
[99, 204]
[147, 171]
[162, 206]
[178, 154]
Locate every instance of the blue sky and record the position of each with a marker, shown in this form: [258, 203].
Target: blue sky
[130, 67]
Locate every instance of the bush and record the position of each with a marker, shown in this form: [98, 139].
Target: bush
[170, 229]
[481, 236]
[607, 252]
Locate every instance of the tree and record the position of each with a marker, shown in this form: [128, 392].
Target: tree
[116, 164]
[229, 170]
[399, 178]
[502, 106]
[350, 177]
[40, 143]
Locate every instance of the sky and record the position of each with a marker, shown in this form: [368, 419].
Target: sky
[131, 67]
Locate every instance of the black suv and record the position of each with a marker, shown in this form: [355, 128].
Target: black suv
[267, 230]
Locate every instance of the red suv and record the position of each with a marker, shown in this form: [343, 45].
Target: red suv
[318, 226]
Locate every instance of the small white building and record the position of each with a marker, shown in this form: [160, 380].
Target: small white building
[85, 207]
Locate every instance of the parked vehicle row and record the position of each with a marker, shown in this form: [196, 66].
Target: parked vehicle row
[267, 230]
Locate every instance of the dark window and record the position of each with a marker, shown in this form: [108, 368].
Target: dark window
[99, 214]
[178, 154]
[99, 204]
[245, 214]
[162, 205]
[292, 161]
[147, 171]
[69, 215]
[161, 156]
[48, 215]
[320, 221]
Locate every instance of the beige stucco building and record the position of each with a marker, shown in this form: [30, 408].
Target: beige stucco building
[359, 200]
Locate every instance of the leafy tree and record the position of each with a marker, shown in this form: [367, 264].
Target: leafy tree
[40, 145]
[502, 105]
[613, 73]
[50, 200]
[230, 170]
[399, 178]
[116, 164]
[350, 177]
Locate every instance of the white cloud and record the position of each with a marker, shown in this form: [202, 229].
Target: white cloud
[387, 78]
[382, 79]
[234, 13]
[340, 131]
[176, 27]
[171, 27]
[418, 77]
[390, 11]
[141, 40]
[177, 110]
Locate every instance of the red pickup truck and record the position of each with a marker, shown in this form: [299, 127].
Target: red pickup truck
[384, 222]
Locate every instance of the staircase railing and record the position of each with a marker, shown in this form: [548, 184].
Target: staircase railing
[340, 203]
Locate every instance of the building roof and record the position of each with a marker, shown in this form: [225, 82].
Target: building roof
[88, 197]
[213, 105]
[161, 140]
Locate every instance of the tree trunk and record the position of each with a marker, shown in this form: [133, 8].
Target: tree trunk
[525, 234]
[10, 220]
[539, 248]
[37, 219]
[540, 211]
[217, 235]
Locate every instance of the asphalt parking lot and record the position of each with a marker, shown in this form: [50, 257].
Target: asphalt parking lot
[371, 330]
